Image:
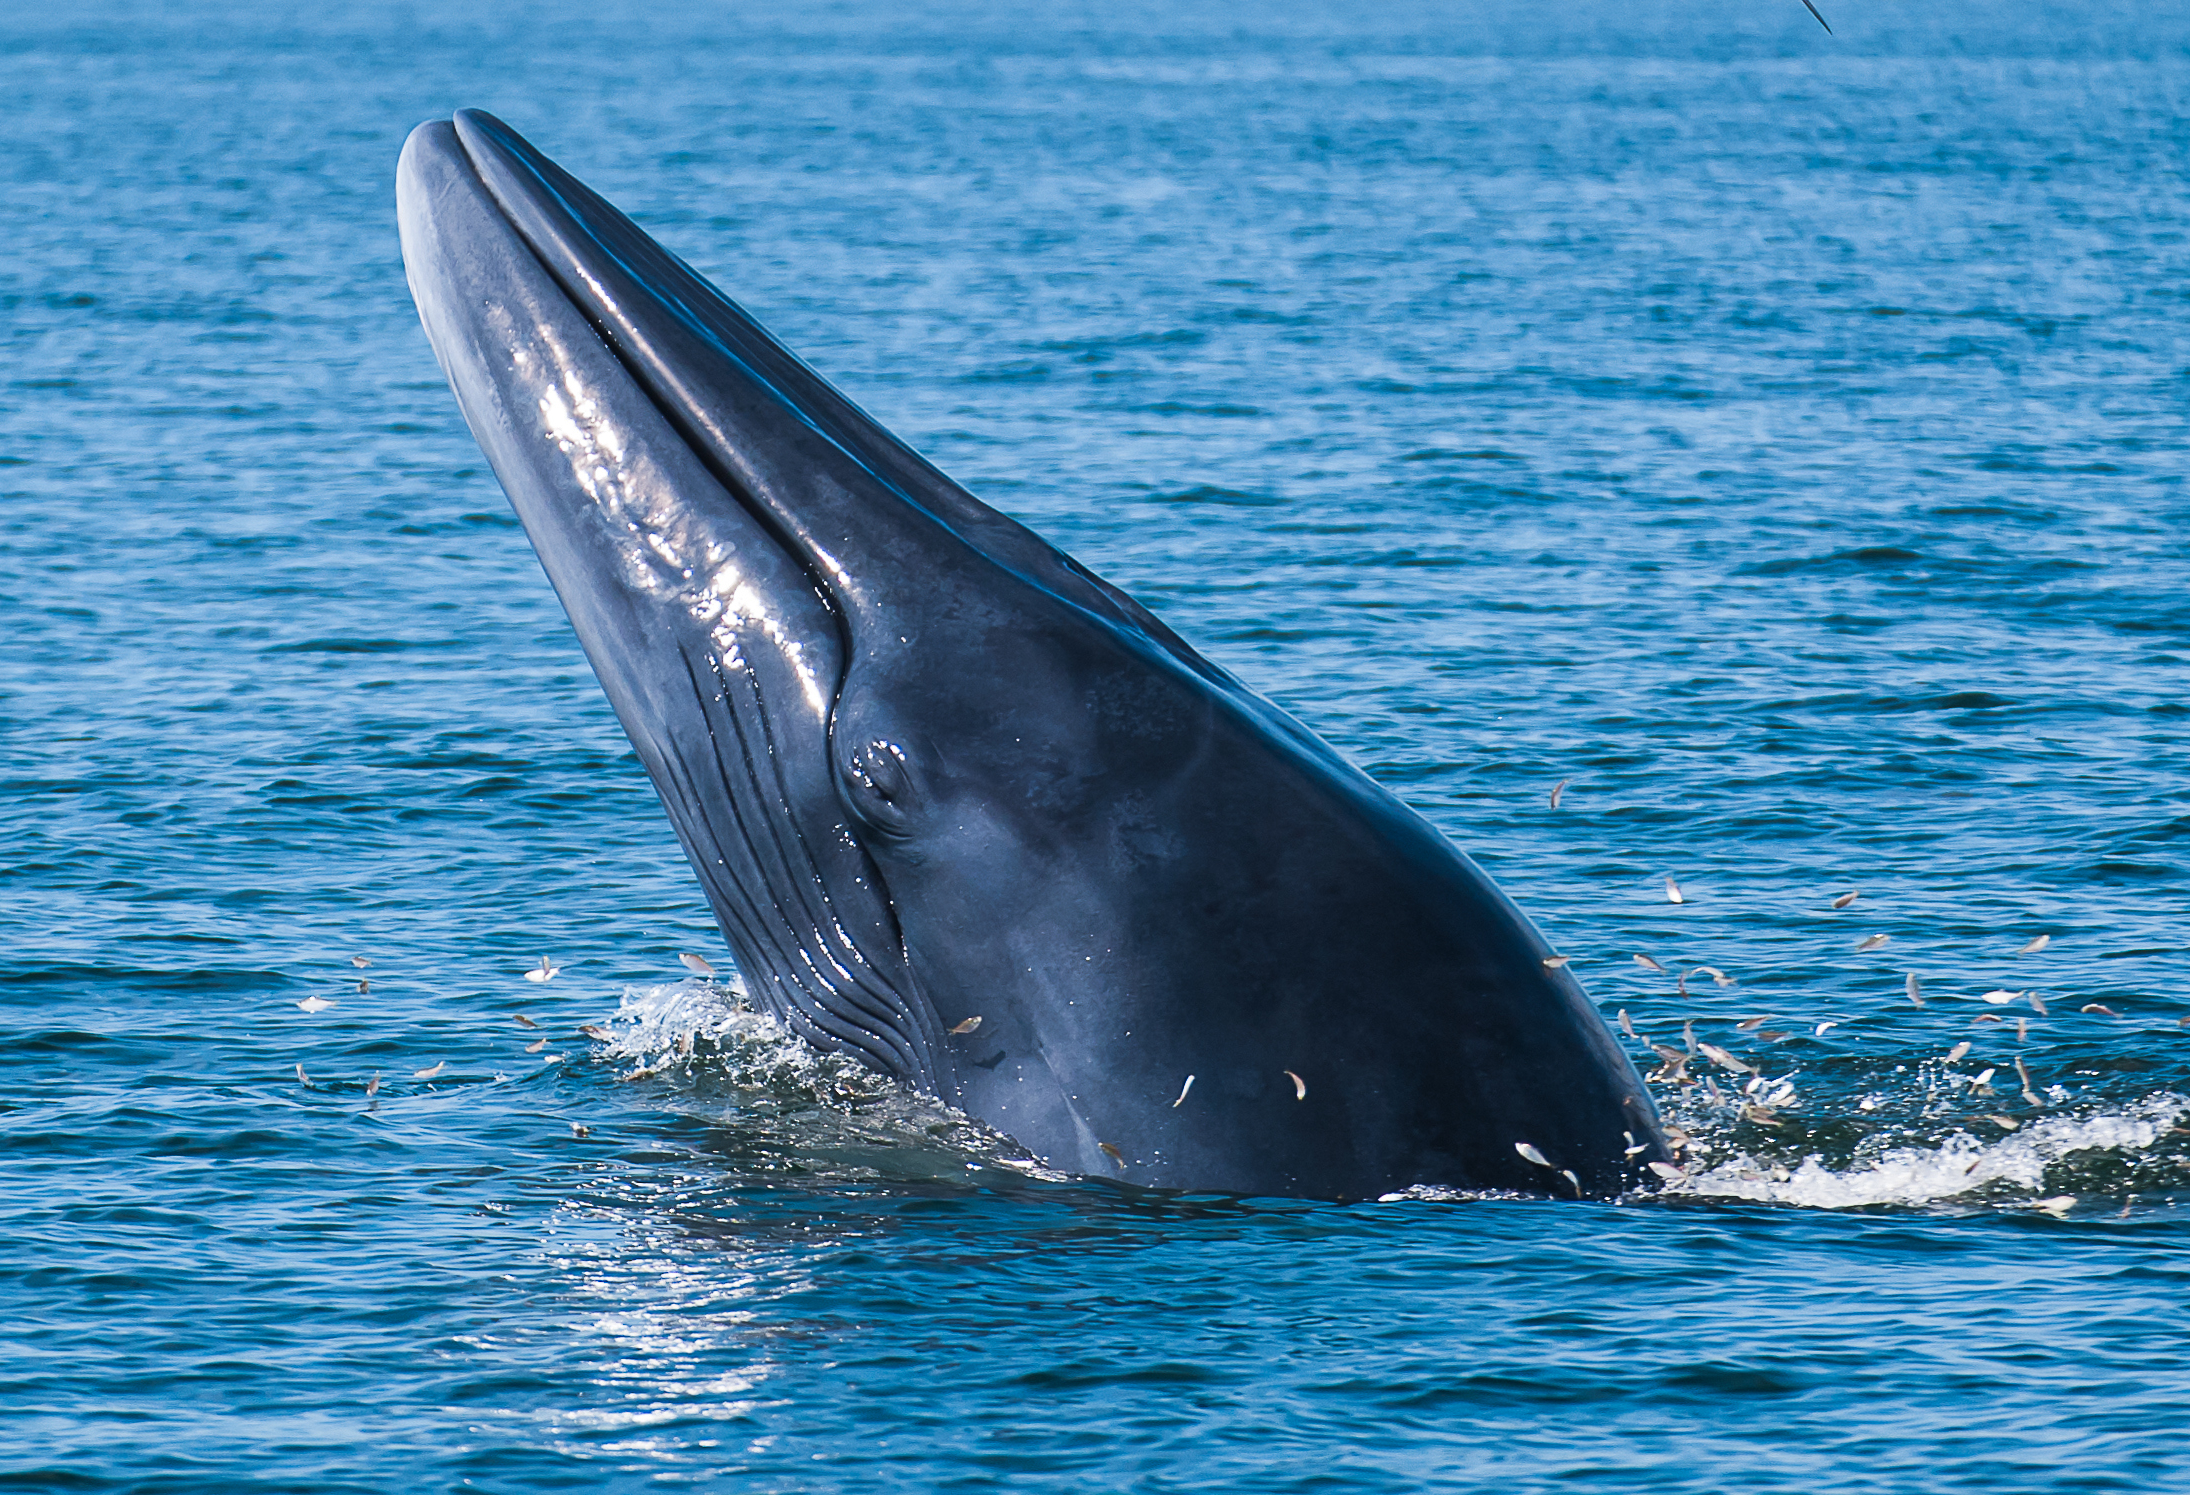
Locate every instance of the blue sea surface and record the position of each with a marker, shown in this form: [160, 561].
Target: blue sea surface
[1778, 437]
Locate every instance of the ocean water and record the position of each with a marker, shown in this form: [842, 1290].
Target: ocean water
[1777, 437]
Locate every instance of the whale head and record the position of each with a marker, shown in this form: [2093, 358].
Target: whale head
[962, 808]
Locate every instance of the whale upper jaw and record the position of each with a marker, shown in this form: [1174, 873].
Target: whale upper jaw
[874, 522]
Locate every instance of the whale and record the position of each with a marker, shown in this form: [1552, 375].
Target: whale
[963, 810]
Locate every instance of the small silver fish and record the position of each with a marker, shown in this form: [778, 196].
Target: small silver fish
[315, 1005]
[1633, 1146]
[2005, 1123]
[1557, 790]
[1553, 962]
[2036, 945]
[2029, 1094]
[1529, 1152]
[1845, 899]
[1627, 1026]
[1688, 1033]
[1673, 890]
[2059, 1204]
[2037, 1003]
[535, 1046]
[525, 1022]
[2002, 997]
[372, 1086]
[543, 971]
[2099, 1007]
[1751, 1024]
[359, 961]
[1718, 977]
[2022, 1029]
[1649, 965]
[1915, 989]
[595, 1032]
[1957, 1051]
[427, 1074]
[1668, 1172]
[960, 1030]
[1115, 1155]
[1725, 1060]
[1872, 943]
[1761, 1115]
[698, 965]
[1189, 1085]
[685, 1041]
[1300, 1086]
[302, 1077]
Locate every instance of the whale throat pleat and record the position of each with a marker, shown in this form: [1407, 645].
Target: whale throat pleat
[734, 810]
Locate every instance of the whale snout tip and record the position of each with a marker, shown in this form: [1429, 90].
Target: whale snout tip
[439, 143]
[429, 139]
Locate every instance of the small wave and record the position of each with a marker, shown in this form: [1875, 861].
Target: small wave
[1210, 493]
[360, 645]
[1858, 558]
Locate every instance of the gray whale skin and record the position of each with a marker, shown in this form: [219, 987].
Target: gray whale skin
[931, 769]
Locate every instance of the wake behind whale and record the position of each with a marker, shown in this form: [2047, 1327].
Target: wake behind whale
[963, 810]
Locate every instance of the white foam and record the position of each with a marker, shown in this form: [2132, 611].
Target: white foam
[1963, 1164]
[682, 1032]
[697, 1035]
[672, 1029]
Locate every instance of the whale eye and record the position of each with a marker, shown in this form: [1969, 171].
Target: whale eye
[878, 783]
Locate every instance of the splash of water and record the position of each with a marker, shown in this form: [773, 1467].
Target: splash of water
[779, 1097]
[781, 1105]
[2045, 1158]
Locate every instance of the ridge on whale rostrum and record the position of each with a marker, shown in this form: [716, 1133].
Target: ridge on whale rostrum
[930, 769]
